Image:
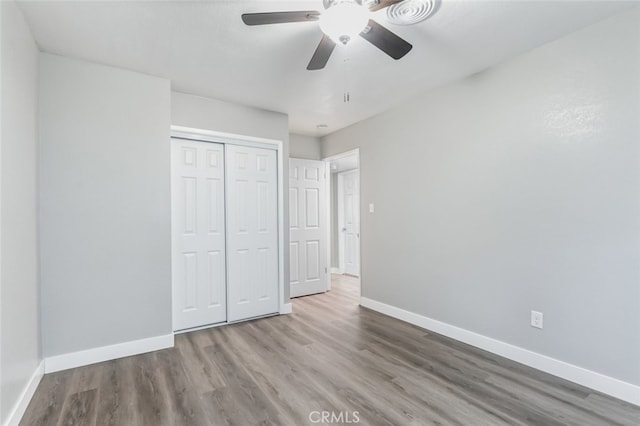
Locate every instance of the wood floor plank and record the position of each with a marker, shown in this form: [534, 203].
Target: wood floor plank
[182, 397]
[331, 355]
[202, 373]
[284, 357]
[116, 396]
[46, 405]
[80, 409]
[244, 391]
[332, 392]
[150, 397]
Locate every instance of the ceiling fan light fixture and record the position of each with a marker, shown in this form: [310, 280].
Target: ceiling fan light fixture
[343, 21]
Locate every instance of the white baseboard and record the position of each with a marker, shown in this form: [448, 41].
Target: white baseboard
[107, 353]
[16, 413]
[335, 270]
[286, 308]
[605, 384]
[204, 327]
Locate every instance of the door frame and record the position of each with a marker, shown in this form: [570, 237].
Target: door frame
[327, 160]
[190, 133]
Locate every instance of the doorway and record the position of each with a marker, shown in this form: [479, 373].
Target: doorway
[344, 214]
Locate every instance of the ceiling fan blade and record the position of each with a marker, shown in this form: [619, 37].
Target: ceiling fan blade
[382, 4]
[280, 17]
[322, 54]
[385, 40]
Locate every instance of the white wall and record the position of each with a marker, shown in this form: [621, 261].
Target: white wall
[211, 114]
[19, 306]
[302, 146]
[516, 189]
[104, 205]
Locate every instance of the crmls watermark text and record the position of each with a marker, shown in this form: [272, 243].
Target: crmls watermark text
[333, 417]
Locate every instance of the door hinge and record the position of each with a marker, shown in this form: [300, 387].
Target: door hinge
[325, 270]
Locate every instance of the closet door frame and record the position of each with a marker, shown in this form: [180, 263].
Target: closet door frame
[179, 132]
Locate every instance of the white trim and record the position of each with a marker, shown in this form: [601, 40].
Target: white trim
[222, 137]
[327, 218]
[202, 327]
[16, 413]
[286, 308]
[281, 228]
[355, 151]
[107, 353]
[605, 384]
[335, 270]
[191, 133]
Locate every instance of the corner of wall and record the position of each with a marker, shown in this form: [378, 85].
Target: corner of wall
[20, 338]
[304, 146]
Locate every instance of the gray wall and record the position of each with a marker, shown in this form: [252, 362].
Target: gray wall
[211, 114]
[104, 205]
[19, 306]
[512, 190]
[302, 146]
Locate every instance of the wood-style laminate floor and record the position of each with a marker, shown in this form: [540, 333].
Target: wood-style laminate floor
[329, 355]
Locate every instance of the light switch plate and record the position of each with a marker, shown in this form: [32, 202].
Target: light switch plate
[371, 208]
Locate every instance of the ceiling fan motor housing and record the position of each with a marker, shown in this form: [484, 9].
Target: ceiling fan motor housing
[344, 20]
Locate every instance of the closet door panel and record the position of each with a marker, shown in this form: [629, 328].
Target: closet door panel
[252, 232]
[198, 233]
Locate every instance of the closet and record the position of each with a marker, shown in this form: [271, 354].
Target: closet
[224, 232]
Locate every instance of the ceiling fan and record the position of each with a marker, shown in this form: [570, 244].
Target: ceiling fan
[340, 22]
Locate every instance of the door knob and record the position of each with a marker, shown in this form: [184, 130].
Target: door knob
[344, 229]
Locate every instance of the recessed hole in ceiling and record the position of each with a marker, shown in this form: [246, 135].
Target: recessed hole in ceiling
[411, 11]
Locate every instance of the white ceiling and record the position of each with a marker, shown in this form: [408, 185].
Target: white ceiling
[205, 49]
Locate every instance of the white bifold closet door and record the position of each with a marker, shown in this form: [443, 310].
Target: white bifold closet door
[198, 234]
[252, 232]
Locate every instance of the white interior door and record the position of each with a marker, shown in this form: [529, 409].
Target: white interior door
[349, 221]
[198, 233]
[307, 227]
[252, 232]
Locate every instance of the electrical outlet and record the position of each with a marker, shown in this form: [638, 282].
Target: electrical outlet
[371, 208]
[536, 319]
